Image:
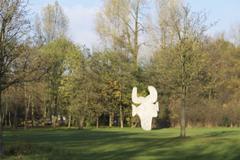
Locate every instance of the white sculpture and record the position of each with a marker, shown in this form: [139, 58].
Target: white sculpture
[147, 109]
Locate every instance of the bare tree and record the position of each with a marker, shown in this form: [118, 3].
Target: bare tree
[235, 34]
[120, 24]
[52, 24]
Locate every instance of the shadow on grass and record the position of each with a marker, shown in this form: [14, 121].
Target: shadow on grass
[124, 145]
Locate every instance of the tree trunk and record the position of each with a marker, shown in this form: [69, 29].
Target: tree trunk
[1, 127]
[55, 111]
[69, 120]
[54, 121]
[121, 116]
[3, 116]
[136, 34]
[9, 120]
[97, 122]
[184, 93]
[32, 116]
[135, 121]
[15, 119]
[111, 118]
[26, 112]
[45, 111]
[183, 114]
[6, 112]
[81, 122]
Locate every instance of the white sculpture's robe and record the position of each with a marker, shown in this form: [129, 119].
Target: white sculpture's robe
[147, 109]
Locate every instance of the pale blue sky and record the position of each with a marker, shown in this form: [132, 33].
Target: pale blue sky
[82, 13]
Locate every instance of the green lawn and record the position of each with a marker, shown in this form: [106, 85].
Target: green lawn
[123, 144]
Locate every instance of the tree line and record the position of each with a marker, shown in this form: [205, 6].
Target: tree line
[48, 80]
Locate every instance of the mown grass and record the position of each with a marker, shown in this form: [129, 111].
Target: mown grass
[122, 144]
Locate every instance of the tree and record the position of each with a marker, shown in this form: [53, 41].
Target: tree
[235, 34]
[55, 54]
[51, 25]
[224, 69]
[115, 74]
[120, 25]
[182, 59]
[77, 85]
[16, 60]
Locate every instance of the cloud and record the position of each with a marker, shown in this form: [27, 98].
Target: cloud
[81, 17]
[82, 24]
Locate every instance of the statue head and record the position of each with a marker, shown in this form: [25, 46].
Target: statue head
[147, 107]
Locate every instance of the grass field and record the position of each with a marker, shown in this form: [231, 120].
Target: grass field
[123, 144]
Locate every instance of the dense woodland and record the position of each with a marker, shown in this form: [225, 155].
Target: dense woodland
[47, 80]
